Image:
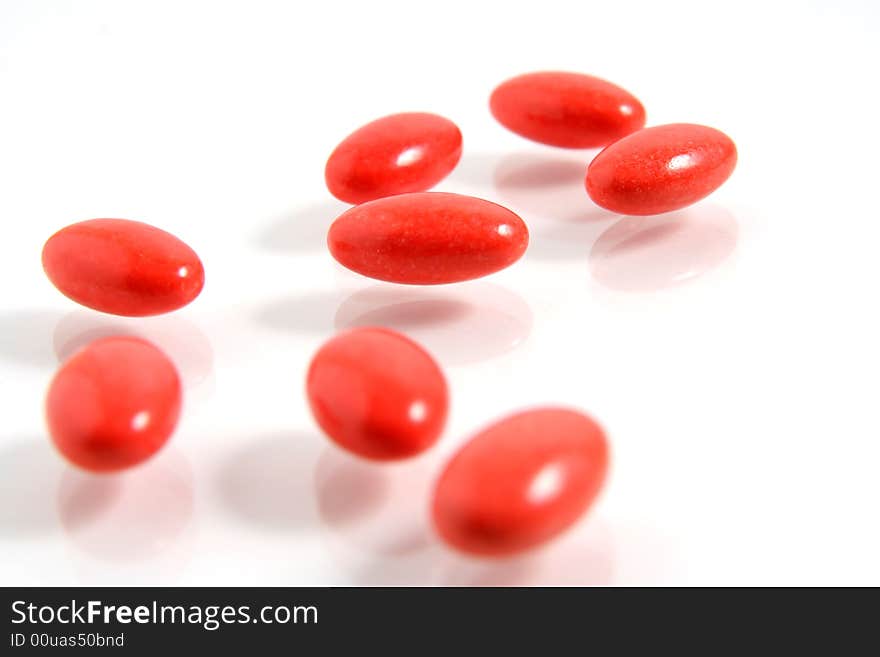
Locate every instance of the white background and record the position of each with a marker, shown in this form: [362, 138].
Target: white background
[730, 350]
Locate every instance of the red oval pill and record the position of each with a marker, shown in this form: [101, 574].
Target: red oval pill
[570, 110]
[661, 169]
[520, 482]
[427, 238]
[113, 404]
[123, 267]
[377, 393]
[409, 152]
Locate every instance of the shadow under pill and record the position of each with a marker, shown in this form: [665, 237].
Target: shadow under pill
[265, 483]
[28, 468]
[373, 508]
[406, 315]
[583, 556]
[518, 172]
[309, 314]
[130, 516]
[26, 337]
[472, 323]
[566, 241]
[302, 230]
[645, 254]
[549, 192]
[473, 171]
[546, 187]
[347, 488]
[180, 339]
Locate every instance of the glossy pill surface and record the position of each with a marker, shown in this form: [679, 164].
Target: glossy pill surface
[520, 482]
[408, 152]
[661, 169]
[427, 238]
[113, 404]
[123, 267]
[377, 394]
[569, 110]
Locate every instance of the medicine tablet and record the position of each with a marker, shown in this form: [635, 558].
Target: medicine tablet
[520, 482]
[427, 238]
[113, 404]
[569, 110]
[660, 169]
[409, 152]
[123, 267]
[377, 394]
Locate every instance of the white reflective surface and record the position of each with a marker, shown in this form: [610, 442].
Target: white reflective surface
[730, 350]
